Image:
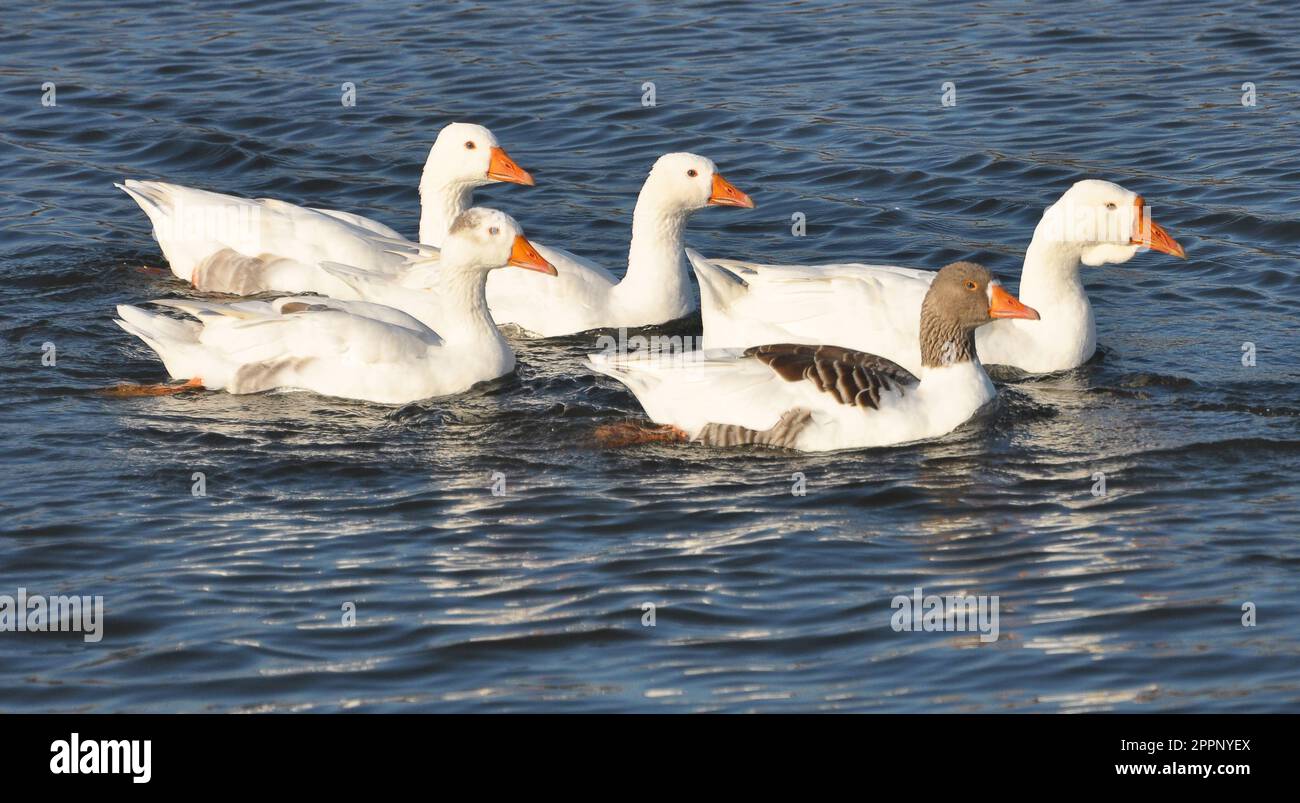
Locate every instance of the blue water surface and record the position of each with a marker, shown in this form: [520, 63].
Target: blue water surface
[765, 599]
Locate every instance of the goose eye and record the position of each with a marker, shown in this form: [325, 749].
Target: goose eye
[1111, 206]
[692, 173]
[470, 145]
[494, 231]
[970, 285]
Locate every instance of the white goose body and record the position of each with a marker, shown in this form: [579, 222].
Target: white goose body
[349, 349]
[223, 243]
[227, 244]
[820, 398]
[877, 308]
[655, 289]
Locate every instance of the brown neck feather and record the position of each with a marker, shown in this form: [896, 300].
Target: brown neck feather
[943, 340]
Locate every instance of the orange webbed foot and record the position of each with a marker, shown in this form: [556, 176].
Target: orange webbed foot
[127, 390]
[631, 433]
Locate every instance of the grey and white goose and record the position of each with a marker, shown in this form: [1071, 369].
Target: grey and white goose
[819, 398]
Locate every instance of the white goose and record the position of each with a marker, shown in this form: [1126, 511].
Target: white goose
[222, 243]
[876, 307]
[818, 398]
[350, 349]
[656, 287]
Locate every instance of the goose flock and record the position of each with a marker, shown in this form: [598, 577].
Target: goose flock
[806, 357]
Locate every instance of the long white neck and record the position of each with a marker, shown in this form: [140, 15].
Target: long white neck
[1066, 333]
[443, 196]
[656, 284]
[1050, 283]
[464, 318]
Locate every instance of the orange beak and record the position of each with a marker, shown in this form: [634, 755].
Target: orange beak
[523, 255]
[1149, 233]
[1004, 305]
[503, 168]
[726, 194]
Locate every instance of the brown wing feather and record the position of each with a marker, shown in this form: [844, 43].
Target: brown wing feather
[853, 377]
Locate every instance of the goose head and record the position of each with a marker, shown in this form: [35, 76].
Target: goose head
[686, 182]
[1105, 223]
[482, 239]
[469, 155]
[963, 297]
